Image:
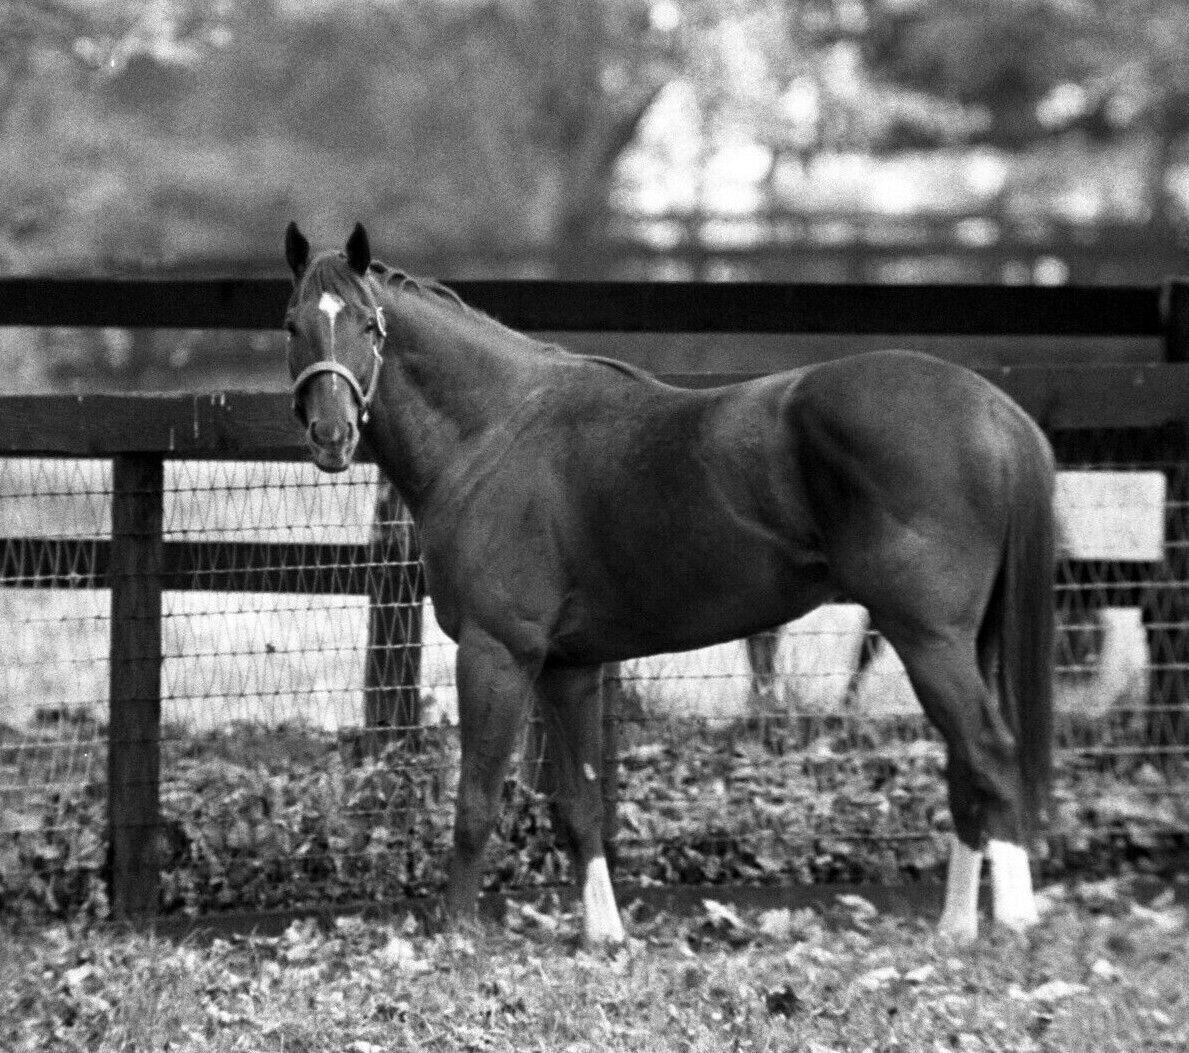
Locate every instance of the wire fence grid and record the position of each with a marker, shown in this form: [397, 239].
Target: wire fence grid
[294, 772]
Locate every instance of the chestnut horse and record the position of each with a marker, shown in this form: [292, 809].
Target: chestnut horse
[575, 511]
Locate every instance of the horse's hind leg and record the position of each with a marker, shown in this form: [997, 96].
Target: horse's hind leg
[572, 710]
[985, 790]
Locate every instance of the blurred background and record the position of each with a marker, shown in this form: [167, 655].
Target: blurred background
[811, 140]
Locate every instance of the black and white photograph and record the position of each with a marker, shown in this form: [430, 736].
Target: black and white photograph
[594, 525]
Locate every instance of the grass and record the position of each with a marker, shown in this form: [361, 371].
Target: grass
[1100, 973]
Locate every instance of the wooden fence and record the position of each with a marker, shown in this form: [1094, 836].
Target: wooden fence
[138, 433]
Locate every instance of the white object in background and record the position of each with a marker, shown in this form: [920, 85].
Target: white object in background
[1111, 515]
[1120, 674]
[818, 656]
[883, 689]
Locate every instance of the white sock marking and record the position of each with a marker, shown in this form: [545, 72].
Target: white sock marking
[1011, 885]
[959, 918]
[602, 923]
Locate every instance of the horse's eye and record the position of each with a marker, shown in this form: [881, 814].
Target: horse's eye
[370, 326]
[290, 329]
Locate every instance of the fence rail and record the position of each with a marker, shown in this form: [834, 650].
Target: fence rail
[256, 425]
[627, 307]
[139, 434]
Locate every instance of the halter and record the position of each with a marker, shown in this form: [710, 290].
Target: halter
[363, 397]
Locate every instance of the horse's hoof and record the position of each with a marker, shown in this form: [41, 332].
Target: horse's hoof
[962, 931]
[607, 945]
[1020, 922]
[607, 932]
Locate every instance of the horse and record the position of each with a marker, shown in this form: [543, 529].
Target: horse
[575, 511]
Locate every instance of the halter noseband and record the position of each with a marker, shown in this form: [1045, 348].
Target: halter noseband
[329, 365]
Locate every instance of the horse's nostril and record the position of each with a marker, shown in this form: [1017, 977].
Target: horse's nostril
[329, 433]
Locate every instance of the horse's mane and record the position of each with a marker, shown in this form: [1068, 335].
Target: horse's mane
[433, 291]
[335, 275]
[425, 286]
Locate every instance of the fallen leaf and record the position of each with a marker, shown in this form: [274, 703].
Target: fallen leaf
[919, 975]
[1168, 920]
[350, 925]
[857, 905]
[877, 978]
[1104, 970]
[76, 977]
[401, 953]
[720, 914]
[1055, 991]
[543, 921]
[1098, 892]
[1047, 899]
[776, 924]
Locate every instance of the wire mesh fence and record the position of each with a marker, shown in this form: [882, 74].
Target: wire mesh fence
[307, 703]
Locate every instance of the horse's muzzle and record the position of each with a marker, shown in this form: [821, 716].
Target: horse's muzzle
[333, 460]
[332, 448]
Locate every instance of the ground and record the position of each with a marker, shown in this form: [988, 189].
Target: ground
[1101, 972]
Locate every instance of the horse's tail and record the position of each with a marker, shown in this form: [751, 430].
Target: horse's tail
[1022, 613]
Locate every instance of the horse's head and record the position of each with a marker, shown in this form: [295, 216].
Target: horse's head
[336, 331]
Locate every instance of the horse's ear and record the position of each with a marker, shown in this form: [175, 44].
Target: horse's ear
[297, 249]
[359, 252]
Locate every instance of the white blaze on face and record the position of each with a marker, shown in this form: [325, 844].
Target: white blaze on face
[330, 305]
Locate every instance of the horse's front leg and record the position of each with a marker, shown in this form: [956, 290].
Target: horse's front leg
[494, 689]
[572, 707]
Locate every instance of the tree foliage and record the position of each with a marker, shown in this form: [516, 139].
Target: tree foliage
[464, 127]
[1040, 67]
[140, 133]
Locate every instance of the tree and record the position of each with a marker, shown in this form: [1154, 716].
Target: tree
[1108, 71]
[474, 128]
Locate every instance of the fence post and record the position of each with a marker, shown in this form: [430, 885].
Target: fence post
[1168, 637]
[134, 723]
[392, 695]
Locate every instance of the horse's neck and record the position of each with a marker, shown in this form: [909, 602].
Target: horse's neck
[469, 366]
[447, 380]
